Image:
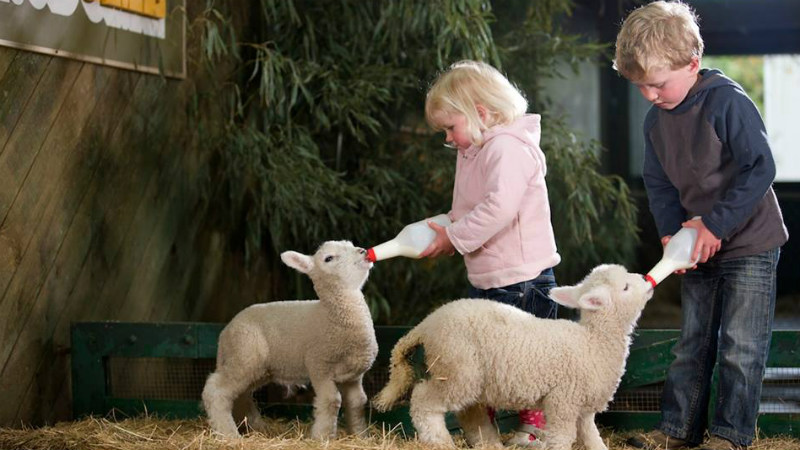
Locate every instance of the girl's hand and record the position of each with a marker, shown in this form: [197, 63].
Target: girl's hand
[707, 244]
[441, 244]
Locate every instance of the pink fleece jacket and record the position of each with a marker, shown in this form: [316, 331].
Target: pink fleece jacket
[501, 214]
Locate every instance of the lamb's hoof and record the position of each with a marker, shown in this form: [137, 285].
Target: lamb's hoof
[323, 436]
[228, 434]
[523, 439]
[437, 443]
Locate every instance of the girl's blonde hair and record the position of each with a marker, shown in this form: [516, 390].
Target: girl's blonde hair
[661, 35]
[467, 84]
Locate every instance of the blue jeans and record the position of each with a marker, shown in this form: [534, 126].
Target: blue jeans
[530, 296]
[728, 308]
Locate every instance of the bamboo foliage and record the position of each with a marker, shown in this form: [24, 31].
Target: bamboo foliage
[317, 130]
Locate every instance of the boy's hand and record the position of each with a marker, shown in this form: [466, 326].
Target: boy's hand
[441, 244]
[707, 244]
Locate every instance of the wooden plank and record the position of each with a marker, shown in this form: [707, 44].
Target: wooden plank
[16, 161]
[7, 55]
[71, 256]
[140, 260]
[108, 197]
[142, 265]
[22, 147]
[18, 83]
[55, 259]
[119, 189]
[50, 363]
[34, 196]
[45, 233]
[156, 290]
[199, 278]
[130, 236]
[186, 260]
[145, 226]
[167, 210]
[203, 254]
[39, 182]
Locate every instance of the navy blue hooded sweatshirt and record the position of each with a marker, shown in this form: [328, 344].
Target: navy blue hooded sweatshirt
[709, 157]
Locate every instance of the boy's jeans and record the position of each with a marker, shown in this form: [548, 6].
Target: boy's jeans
[728, 308]
[530, 296]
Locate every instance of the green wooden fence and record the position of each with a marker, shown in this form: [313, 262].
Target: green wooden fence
[107, 366]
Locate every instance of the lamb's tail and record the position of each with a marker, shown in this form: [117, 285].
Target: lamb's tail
[401, 372]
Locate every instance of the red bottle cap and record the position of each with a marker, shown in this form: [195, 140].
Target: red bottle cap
[650, 279]
[370, 255]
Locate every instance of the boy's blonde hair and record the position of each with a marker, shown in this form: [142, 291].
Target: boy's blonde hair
[467, 84]
[661, 35]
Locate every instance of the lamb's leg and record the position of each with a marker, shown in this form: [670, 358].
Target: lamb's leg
[354, 399]
[588, 433]
[561, 422]
[218, 396]
[427, 414]
[478, 428]
[327, 402]
[245, 406]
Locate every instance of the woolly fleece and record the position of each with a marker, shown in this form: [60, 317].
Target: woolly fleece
[483, 353]
[329, 342]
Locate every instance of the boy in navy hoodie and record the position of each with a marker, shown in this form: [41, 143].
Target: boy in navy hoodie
[707, 155]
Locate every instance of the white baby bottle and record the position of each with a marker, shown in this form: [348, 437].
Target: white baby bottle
[677, 255]
[410, 242]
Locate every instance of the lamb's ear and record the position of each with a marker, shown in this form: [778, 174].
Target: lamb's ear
[597, 298]
[298, 261]
[565, 295]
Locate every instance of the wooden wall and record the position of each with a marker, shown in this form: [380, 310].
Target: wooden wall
[102, 217]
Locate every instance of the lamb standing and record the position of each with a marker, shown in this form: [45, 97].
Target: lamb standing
[483, 353]
[330, 341]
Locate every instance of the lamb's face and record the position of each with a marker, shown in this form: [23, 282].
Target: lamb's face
[608, 290]
[629, 291]
[342, 263]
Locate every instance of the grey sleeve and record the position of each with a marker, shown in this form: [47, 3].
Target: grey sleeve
[742, 132]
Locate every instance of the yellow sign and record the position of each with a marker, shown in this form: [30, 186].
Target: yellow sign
[151, 8]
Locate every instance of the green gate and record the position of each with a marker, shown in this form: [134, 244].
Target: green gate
[160, 368]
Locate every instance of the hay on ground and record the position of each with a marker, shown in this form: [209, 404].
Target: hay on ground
[151, 433]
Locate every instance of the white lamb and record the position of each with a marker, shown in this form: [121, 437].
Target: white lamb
[483, 353]
[330, 342]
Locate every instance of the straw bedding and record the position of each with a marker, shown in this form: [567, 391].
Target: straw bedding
[151, 433]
